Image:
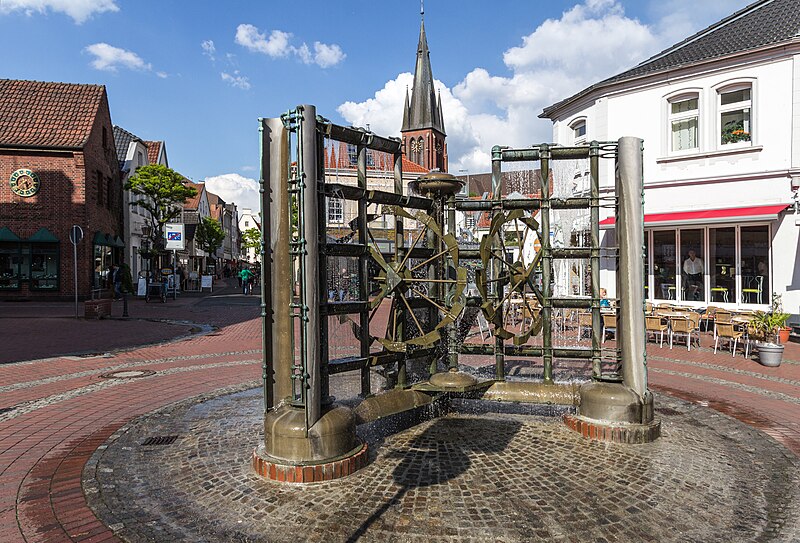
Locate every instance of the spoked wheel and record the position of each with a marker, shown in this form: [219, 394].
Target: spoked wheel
[407, 281]
[514, 279]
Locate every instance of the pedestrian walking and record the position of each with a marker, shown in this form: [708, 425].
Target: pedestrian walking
[246, 277]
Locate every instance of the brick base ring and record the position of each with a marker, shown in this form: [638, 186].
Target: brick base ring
[615, 433]
[310, 473]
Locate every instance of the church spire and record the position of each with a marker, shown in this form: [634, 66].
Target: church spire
[423, 111]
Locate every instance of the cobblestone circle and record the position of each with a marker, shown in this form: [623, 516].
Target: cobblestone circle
[464, 477]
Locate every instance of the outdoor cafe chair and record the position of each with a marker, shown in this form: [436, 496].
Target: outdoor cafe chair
[609, 325]
[722, 316]
[727, 332]
[683, 326]
[654, 325]
[710, 315]
[584, 323]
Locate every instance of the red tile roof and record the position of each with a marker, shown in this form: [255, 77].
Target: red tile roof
[413, 167]
[194, 202]
[46, 115]
[153, 150]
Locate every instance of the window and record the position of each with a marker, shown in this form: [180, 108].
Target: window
[664, 264]
[722, 256]
[139, 159]
[579, 131]
[246, 224]
[692, 267]
[469, 220]
[734, 115]
[44, 266]
[754, 243]
[105, 138]
[109, 192]
[352, 154]
[683, 116]
[10, 258]
[335, 210]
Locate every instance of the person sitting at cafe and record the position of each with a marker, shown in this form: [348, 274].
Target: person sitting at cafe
[693, 268]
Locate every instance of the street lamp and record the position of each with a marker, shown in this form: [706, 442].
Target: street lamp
[146, 232]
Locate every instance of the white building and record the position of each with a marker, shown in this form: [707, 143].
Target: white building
[248, 220]
[133, 152]
[719, 114]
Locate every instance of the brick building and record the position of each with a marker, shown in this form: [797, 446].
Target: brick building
[58, 168]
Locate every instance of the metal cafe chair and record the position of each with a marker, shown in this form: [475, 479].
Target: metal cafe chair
[584, 323]
[726, 331]
[609, 325]
[655, 325]
[683, 326]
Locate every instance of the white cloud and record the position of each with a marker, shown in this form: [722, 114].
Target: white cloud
[589, 42]
[248, 168]
[79, 10]
[278, 45]
[109, 58]
[208, 49]
[236, 188]
[162, 75]
[327, 55]
[236, 80]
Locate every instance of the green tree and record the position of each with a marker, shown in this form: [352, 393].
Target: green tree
[209, 235]
[251, 238]
[161, 192]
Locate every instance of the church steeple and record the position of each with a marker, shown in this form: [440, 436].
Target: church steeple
[423, 121]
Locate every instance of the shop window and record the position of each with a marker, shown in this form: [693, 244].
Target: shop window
[756, 286]
[647, 265]
[103, 259]
[664, 264]
[722, 269]
[10, 259]
[44, 266]
[735, 106]
[683, 123]
[692, 268]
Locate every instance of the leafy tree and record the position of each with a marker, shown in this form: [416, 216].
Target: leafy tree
[251, 238]
[161, 192]
[209, 235]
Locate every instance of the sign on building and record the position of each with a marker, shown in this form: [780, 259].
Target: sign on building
[175, 236]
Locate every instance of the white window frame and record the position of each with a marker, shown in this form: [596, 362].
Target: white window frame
[335, 210]
[728, 87]
[681, 96]
[574, 126]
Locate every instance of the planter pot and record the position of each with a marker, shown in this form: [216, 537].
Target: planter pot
[770, 354]
[783, 334]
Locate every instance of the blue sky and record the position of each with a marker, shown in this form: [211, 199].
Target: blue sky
[198, 74]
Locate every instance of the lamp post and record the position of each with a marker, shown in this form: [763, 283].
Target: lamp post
[146, 231]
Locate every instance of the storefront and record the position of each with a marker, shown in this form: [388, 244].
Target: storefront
[29, 264]
[720, 257]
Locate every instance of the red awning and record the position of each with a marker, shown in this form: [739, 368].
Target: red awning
[756, 213]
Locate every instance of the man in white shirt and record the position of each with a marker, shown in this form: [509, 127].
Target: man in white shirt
[693, 268]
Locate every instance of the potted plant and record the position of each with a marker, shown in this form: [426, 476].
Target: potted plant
[764, 329]
[777, 307]
[734, 132]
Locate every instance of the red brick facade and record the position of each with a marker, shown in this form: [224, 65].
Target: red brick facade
[79, 185]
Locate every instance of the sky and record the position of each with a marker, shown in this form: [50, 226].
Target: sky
[199, 74]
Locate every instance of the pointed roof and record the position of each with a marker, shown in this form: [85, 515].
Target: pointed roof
[153, 151]
[424, 110]
[48, 115]
[761, 24]
[122, 141]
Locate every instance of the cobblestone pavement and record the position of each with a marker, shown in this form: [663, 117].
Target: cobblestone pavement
[56, 411]
[465, 478]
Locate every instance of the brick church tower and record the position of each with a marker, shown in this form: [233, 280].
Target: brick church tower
[423, 124]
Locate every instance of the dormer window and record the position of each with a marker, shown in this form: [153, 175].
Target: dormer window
[578, 131]
[735, 106]
[683, 122]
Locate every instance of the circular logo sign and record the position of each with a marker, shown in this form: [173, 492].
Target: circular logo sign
[24, 183]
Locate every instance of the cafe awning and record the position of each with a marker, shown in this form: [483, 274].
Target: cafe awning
[101, 238]
[43, 235]
[708, 216]
[7, 235]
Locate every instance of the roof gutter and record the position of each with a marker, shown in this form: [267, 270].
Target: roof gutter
[50, 149]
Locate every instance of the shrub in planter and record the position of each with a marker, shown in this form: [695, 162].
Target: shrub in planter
[765, 328]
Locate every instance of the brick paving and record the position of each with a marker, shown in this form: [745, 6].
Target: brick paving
[56, 410]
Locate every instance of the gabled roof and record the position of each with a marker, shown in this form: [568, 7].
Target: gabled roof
[47, 115]
[122, 141]
[762, 23]
[153, 151]
[194, 202]
[423, 110]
